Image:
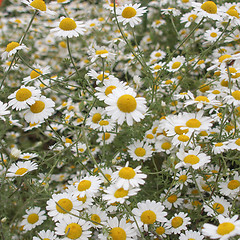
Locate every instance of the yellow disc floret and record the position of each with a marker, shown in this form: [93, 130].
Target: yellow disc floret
[225, 228]
[65, 204]
[84, 185]
[11, 46]
[127, 173]
[118, 233]
[209, 7]
[148, 217]
[37, 107]
[23, 94]
[21, 171]
[33, 218]
[67, 24]
[140, 152]
[73, 231]
[129, 12]
[127, 103]
[39, 4]
[191, 159]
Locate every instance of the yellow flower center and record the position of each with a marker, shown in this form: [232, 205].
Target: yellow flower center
[209, 7]
[183, 138]
[67, 24]
[158, 54]
[172, 198]
[23, 94]
[233, 12]
[225, 228]
[157, 67]
[185, 1]
[193, 123]
[192, 17]
[100, 77]
[129, 12]
[120, 193]
[199, 63]
[160, 230]
[140, 152]
[177, 222]
[84, 185]
[96, 219]
[106, 136]
[37, 107]
[223, 57]
[63, 44]
[179, 131]
[236, 94]
[233, 184]
[99, 52]
[73, 231]
[108, 176]
[82, 199]
[118, 233]
[109, 90]
[218, 144]
[65, 204]
[218, 207]
[39, 4]
[148, 217]
[11, 46]
[149, 136]
[216, 92]
[34, 74]
[176, 65]
[103, 123]
[191, 159]
[96, 117]
[201, 99]
[127, 173]
[237, 142]
[166, 145]
[32, 218]
[21, 171]
[127, 103]
[182, 178]
[213, 34]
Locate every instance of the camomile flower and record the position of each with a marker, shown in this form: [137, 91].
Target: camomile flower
[21, 168]
[130, 14]
[79, 148]
[176, 64]
[217, 205]
[162, 230]
[233, 98]
[113, 194]
[208, 9]
[227, 228]
[149, 212]
[158, 54]
[140, 151]
[127, 177]
[46, 235]
[103, 92]
[59, 202]
[23, 97]
[103, 52]
[95, 115]
[190, 17]
[183, 178]
[179, 222]
[3, 110]
[99, 76]
[211, 35]
[105, 138]
[164, 145]
[123, 105]
[97, 216]
[220, 147]
[234, 144]
[190, 234]
[173, 198]
[11, 49]
[192, 158]
[33, 217]
[118, 230]
[72, 227]
[67, 27]
[88, 185]
[27, 156]
[36, 73]
[40, 110]
[39, 5]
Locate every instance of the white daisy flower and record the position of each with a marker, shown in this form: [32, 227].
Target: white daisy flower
[79, 148]
[217, 205]
[234, 144]
[39, 5]
[127, 177]
[97, 216]
[176, 64]
[100, 52]
[105, 138]
[40, 110]
[23, 97]
[113, 194]
[179, 222]
[140, 151]
[59, 202]
[183, 178]
[220, 147]
[227, 228]
[192, 158]
[27, 156]
[33, 217]
[67, 27]
[3, 110]
[190, 17]
[123, 105]
[130, 14]
[11, 49]
[190, 234]
[233, 98]
[73, 228]
[149, 212]
[21, 168]
[36, 73]
[173, 198]
[95, 115]
[46, 235]
[164, 145]
[212, 35]
[118, 229]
